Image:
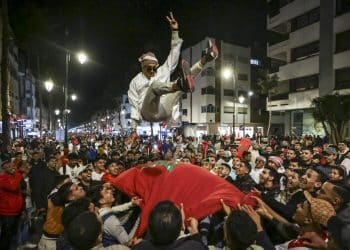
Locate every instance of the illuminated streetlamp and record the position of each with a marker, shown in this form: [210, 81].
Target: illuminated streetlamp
[82, 57]
[228, 73]
[74, 97]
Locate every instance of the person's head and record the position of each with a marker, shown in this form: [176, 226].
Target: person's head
[212, 161]
[242, 169]
[313, 212]
[205, 164]
[247, 156]
[164, 223]
[307, 155]
[69, 192]
[99, 164]
[73, 160]
[114, 167]
[85, 231]
[268, 177]
[36, 156]
[336, 195]
[291, 154]
[275, 162]
[311, 180]
[86, 175]
[7, 167]
[186, 160]
[268, 149]
[199, 157]
[240, 230]
[294, 164]
[224, 170]
[337, 173]
[342, 146]
[168, 156]
[260, 162]
[297, 146]
[103, 196]
[52, 162]
[330, 154]
[149, 64]
[293, 180]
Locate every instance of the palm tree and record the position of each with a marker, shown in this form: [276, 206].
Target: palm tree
[333, 110]
[5, 83]
[268, 86]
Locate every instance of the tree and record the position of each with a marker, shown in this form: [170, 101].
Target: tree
[268, 86]
[5, 83]
[333, 110]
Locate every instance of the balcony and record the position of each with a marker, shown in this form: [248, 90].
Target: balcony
[298, 100]
[289, 11]
[308, 66]
[277, 48]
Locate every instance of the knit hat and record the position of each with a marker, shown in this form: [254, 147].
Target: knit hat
[148, 58]
[277, 160]
[261, 158]
[321, 210]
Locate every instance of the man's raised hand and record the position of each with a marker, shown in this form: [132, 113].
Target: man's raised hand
[173, 23]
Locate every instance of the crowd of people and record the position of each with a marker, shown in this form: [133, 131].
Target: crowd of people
[57, 198]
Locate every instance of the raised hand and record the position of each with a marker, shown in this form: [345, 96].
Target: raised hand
[226, 208]
[173, 23]
[193, 226]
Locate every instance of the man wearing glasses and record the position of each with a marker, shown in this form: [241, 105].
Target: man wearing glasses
[152, 96]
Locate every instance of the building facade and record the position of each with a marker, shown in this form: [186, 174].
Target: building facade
[311, 59]
[221, 101]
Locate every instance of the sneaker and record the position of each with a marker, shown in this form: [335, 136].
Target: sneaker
[211, 52]
[185, 81]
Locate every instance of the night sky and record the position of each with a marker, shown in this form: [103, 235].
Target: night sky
[115, 33]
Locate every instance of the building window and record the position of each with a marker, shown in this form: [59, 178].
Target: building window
[228, 110]
[128, 116]
[342, 78]
[208, 90]
[304, 83]
[256, 62]
[210, 108]
[305, 51]
[342, 41]
[229, 92]
[306, 19]
[208, 72]
[342, 6]
[127, 100]
[184, 112]
[242, 77]
[184, 96]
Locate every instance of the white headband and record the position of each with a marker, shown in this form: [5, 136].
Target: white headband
[148, 57]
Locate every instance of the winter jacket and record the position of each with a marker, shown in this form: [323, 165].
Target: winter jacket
[11, 199]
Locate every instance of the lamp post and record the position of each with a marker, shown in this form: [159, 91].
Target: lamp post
[49, 86]
[82, 58]
[241, 100]
[227, 73]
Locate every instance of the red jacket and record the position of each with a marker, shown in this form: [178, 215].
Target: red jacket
[11, 199]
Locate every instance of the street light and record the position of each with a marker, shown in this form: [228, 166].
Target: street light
[241, 100]
[49, 86]
[82, 58]
[57, 111]
[228, 73]
[74, 97]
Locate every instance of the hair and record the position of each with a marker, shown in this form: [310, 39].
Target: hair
[245, 153]
[64, 192]
[164, 223]
[95, 195]
[241, 231]
[50, 158]
[59, 179]
[74, 209]
[83, 231]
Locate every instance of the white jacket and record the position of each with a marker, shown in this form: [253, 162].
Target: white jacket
[140, 84]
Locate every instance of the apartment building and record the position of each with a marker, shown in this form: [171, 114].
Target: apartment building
[221, 100]
[311, 59]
